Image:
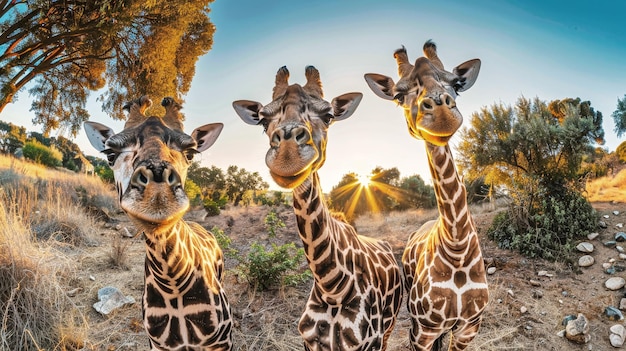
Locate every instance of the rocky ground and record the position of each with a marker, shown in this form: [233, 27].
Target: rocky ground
[529, 298]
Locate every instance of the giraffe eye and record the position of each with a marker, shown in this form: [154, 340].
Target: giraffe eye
[190, 154]
[327, 118]
[111, 156]
[399, 98]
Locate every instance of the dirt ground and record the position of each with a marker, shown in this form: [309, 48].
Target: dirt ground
[525, 311]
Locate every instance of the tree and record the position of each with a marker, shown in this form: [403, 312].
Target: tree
[536, 150]
[416, 193]
[210, 180]
[70, 48]
[239, 181]
[12, 137]
[619, 117]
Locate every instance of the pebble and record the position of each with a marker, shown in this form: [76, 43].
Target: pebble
[620, 236]
[491, 270]
[613, 313]
[542, 273]
[615, 283]
[537, 294]
[605, 216]
[610, 243]
[622, 304]
[523, 309]
[606, 265]
[619, 248]
[602, 224]
[585, 247]
[586, 261]
[592, 236]
[534, 283]
[510, 292]
[620, 225]
[616, 212]
[577, 330]
[622, 256]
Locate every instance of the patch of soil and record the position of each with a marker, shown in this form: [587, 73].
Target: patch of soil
[525, 311]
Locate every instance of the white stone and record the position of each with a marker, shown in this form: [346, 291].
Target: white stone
[491, 270]
[616, 212]
[615, 283]
[620, 225]
[592, 236]
[586, 261]
[542, 273]
[606, 216]
[622, 304]
[585, 247]
[618, 329]
[510, 292]
[606, 265]
[622, 256]
[619, 248]
[523, 309]
[616, 340]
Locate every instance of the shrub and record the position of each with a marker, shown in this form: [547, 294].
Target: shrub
[48, 156]
[549, 231]
[225, 243]
[273, 223]
[265, 269]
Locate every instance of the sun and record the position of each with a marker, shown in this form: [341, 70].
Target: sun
[364, 180]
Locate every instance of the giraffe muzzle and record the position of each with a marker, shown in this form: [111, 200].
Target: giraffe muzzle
[162, 175]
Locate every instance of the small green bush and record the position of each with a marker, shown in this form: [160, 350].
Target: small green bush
[550, 231]
[273, 223]
[278, 266]
[225, 243]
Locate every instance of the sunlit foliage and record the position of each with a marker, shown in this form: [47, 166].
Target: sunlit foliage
[538, 152]
[70, 48]
[619, 117]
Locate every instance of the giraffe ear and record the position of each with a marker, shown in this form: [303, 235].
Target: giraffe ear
[381, 85]
[98, 134]
[345, 105]
[206, 135]
[466, 73]
[248, 111]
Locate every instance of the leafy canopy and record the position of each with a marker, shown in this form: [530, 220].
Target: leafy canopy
[69, 48]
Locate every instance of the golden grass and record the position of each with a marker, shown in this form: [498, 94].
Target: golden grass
[42, 218]
[608, 189]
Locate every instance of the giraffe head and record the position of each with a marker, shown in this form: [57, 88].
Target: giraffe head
[150, 158]
[296, 122]
[427, 93]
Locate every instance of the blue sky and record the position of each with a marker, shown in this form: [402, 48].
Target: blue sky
[539, 49]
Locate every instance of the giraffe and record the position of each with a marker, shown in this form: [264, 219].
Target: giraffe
[85, 167]
[184, 304]
[357, 289]
[443, 264]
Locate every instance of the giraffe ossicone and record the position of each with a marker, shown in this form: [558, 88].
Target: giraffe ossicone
[443, 264]
[357, 287]
[184, 304]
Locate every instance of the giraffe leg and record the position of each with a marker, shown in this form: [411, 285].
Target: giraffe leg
[425, 339]
[460, 338]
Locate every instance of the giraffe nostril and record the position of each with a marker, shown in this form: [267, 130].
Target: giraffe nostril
[141, 177]
[301, 136]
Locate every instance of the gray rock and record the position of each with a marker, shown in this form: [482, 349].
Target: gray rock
[586, 261]
[585, 247]
[616, 213]
[592, 236]
[577, 330]
[620, 236]
[111, 298]
[602, 224]
[618, 333]
[615, 283]
[613, 313]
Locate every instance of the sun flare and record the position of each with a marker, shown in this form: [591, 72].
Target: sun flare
[364, 180]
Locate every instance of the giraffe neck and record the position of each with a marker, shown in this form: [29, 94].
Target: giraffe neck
[176, 254]
[318, 231]
[454, 217]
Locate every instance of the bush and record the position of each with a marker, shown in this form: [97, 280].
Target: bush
[273, 223]
[265, 269]
[47, 156]
[549, 231]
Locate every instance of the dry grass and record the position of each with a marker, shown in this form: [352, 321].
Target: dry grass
[42, 221]
[609, 189]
